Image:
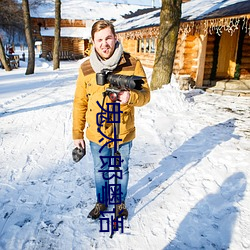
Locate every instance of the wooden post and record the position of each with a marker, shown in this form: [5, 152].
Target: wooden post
[201, 60]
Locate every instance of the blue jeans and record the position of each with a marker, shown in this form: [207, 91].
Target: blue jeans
[102, 164]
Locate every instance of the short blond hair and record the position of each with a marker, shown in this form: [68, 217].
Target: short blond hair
[100, 25]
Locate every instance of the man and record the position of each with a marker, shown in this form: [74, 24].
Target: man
[107, 54]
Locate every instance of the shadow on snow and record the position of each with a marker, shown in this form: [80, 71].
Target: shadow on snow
[23, 110]
[189, 155]
[210, 223]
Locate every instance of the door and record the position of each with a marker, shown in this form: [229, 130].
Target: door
[227, 55]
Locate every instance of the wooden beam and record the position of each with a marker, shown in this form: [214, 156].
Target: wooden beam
[201, 60]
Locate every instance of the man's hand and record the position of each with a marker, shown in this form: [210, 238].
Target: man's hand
[123, 96]
[79, 143]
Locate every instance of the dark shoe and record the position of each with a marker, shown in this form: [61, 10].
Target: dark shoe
[96, 211]
[122, 210]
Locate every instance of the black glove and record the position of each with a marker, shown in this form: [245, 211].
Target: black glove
[78, 153]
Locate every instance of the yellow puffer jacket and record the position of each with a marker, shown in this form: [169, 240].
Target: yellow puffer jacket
[85, 107]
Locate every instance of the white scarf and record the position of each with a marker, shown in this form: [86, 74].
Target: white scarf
[98, 64]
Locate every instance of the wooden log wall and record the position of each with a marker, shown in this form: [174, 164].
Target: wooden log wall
[186, 55]
[131, 46]
[47, 45]
[190, 56]
[66, 44]
[146, 59]
[178, 61]
[245, 60]
[209, 57]
[73, 45]
[50, 22]
[79, 46]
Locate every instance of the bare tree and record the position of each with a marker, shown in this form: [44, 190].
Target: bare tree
[3, 57]
[11, 24]
[36, 3]
[168, 34]
[56, 59]
[11, 16]
[28, 33]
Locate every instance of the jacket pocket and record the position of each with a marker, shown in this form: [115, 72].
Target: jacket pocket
[127, 120]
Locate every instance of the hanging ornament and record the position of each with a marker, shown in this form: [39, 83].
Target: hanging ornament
[218, 25]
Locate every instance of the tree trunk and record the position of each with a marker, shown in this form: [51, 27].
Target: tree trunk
[56, 59]
[28, 33]
[3, 57]
[168, 34]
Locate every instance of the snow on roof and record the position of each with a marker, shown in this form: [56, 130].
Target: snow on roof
[197, 9]
[192, 10]
[85, 10]
[79, 32]
[145, 20]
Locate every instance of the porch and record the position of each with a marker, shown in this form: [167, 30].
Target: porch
[231, 87]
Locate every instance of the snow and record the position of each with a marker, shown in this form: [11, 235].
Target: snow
[86, 10]
[189, 169]
[192, 10]
[84, 33]
[155, 3]
[197, 9]
[145, 20]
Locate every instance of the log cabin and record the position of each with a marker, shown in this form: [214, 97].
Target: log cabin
[74, 37]
[77, 19]
[213, 41]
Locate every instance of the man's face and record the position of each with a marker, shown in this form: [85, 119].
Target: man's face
[104, 42]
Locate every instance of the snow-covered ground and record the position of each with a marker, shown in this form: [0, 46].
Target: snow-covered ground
[189, 169]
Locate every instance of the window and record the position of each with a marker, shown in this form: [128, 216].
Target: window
[146, 45]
